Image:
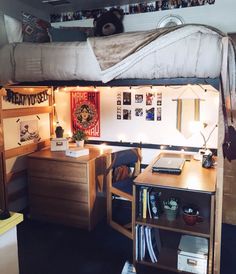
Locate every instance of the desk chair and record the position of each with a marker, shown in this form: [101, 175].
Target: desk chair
[124, 166]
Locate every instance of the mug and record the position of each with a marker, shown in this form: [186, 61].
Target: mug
[191, 215]
[207, 160]
[192, 219]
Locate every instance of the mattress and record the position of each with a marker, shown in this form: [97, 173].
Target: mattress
[183, 52]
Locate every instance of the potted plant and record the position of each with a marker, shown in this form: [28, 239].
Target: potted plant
[79, 136]
[171, 206]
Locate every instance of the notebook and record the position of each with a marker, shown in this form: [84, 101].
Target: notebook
[168, 165]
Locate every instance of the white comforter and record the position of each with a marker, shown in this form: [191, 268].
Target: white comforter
[192, 51]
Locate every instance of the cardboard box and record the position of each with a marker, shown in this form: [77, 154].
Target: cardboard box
[59, 144]
[77, 152]
[193, 254]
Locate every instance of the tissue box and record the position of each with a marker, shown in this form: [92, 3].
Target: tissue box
[193, 254]
[59, 144]
[77, 152]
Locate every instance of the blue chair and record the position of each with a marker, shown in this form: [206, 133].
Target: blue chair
[124, 167]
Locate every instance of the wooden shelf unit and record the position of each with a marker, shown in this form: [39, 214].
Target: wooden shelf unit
[195, 185]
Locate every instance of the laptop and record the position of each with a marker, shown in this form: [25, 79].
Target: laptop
[169, 165]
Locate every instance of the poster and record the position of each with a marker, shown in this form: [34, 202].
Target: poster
[29, 131]
[85, 112]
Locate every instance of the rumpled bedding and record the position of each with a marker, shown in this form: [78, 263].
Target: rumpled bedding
[186, 51]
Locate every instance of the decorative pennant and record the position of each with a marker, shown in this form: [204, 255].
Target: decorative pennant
[85, 112]
[25, 99]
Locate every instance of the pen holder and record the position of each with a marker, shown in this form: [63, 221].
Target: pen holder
[171, 214]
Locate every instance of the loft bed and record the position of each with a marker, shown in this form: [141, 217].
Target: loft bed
[184, 54]
[168, 55]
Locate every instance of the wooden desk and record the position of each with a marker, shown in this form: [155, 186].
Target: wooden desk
[67, 190]
[195, 185]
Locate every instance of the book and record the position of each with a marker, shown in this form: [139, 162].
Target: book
[144, 203]
[142, 243]
[155, 204]
[137, 242]
[77, 152]
[149, 244]
[140, 203]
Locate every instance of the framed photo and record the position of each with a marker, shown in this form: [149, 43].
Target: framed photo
[149, 98]
[159, 114]
[138, 98]
[126, 114]
[126, 98]
[150, 114]
[139, 112]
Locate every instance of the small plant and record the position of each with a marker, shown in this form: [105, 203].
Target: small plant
[79, 135]
[171, 203]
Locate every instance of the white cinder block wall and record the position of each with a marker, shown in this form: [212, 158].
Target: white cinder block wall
[138, 129]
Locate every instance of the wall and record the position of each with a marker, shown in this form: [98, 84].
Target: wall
[221, 15]
[14, 8]
[138, 129]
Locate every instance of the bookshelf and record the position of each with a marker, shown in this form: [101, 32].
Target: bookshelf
[196, 186]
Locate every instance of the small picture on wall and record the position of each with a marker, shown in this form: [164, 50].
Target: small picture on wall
[149, 98]
[150, 114]
[159, 99]
[126, 114]
[159, 114]
[118, 113]
[139, 112]
[138, 98]
[127, 98]
[118, 98]
[29, 131]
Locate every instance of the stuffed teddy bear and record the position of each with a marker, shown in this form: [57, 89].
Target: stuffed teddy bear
[109, 22]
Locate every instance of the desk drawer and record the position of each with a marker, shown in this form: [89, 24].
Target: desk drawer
[67, 190]
[59, 211]
[74, 172]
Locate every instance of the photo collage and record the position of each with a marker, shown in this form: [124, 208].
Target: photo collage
[144, 105]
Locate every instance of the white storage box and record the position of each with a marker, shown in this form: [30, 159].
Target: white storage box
[193, 254]
[59, 144]
[77, 151]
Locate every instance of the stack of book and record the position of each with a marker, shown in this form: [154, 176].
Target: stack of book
[148, 243]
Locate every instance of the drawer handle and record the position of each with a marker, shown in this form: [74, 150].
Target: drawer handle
[59, 143]
[191, 262]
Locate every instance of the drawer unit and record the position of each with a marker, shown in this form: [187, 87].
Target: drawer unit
[64, 189]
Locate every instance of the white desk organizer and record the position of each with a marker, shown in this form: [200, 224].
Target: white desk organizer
[59, 144]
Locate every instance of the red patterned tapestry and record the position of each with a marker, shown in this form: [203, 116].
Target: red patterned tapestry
[85, 112]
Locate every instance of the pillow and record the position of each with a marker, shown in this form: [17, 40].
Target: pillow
[13, 29]
[34, 29]
[3, 34]
[66, 35]
[88, 31]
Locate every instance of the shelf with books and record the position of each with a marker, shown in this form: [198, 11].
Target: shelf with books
[151, 213]
[152, 198]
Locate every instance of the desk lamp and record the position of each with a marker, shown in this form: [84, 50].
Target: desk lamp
[198, 127]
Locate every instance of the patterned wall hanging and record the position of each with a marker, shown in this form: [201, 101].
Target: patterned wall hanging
[85, 112]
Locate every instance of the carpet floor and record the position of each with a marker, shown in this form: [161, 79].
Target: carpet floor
[55, 249]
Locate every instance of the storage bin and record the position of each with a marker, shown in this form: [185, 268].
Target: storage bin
[193, 254]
